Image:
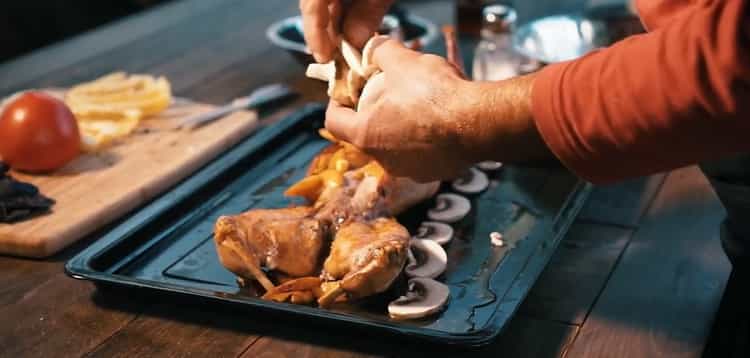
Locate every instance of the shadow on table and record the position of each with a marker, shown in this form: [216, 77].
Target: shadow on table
[324, 335]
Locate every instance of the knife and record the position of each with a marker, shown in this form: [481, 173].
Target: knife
[259, 96]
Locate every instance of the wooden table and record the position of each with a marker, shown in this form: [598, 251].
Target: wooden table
[641, 273]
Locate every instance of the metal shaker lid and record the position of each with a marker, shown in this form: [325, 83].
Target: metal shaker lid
[498, 18]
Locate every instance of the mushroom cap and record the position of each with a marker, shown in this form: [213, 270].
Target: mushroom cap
[449, 208]
[430, 260]
[436, 231]
[353, 57]
[368, 64]
[489, 165]
[475, 182]
[425, 297]
[372, 90]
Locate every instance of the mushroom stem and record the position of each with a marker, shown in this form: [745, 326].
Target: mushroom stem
[321, 71]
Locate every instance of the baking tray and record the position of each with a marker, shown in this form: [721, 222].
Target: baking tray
[167, 247]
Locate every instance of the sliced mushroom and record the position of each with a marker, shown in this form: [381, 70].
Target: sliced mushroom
[449, 208]
[473, 182]
[424, 298]
[353, 58]
[368, 64]
[426, 259]
[435, 231]
[496, 239]
[489, 165]
[321, 71]
[338, 88]
[371, 91]
[355, 83]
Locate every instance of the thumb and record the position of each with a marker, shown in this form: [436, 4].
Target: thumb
[343, 122]
[363, 19]
[392, 55]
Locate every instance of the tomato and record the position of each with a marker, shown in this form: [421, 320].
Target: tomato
[38, 133]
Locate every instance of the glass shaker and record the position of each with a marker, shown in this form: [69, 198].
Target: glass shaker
[494, 57]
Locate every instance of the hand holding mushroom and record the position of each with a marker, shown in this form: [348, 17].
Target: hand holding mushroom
[417, 110]
[326, 22]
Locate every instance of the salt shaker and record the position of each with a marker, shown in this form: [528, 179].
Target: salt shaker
[494, 57]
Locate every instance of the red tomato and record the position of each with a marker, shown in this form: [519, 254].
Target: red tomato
[38, 133]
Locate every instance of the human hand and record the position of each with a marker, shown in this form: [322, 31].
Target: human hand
[421, 119]
[325, 21]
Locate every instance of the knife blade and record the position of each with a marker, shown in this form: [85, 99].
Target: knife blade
[259, 96]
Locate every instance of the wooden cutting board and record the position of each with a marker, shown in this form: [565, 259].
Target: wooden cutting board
[96, 189]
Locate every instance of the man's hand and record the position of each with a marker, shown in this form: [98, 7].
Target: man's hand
[325, 21]
[421, 119]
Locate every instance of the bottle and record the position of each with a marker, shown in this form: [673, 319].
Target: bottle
[468, 16]
[494, 57]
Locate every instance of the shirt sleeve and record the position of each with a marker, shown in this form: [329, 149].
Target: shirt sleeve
[675, 96]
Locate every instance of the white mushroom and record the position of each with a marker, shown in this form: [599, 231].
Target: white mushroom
[338, 87]
[353, 58]
[372, 90]
[426, 259]
[355, 84]
[368, 64]
[473, 182]
[496, 239]
[435, 231]
[321, 71]
[349, 72]
[424, 298]
[449, 208]
[489, 165]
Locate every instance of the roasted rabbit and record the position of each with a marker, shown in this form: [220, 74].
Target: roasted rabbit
[353, 202]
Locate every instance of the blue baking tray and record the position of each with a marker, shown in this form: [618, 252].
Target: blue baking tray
[167, 246]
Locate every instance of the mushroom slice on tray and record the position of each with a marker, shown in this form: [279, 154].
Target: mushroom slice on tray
[424, 298]
[426, 259]
[449, 208]
[435, 231]
[489, 165]
[473, 182]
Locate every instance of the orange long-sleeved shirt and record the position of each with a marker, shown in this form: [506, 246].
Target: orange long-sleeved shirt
[675, 96]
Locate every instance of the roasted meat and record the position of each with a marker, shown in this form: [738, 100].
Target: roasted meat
[286, 240]
[366, 257]
[352, 202]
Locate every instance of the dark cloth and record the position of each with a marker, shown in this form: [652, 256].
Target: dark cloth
[730, 179]
[19, 201]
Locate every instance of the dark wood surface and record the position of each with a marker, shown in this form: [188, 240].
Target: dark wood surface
[640, 274]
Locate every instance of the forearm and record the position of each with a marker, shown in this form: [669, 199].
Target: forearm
[499, 124]
[655, 102]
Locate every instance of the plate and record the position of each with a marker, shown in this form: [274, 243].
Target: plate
[288, 34]
[560, 38]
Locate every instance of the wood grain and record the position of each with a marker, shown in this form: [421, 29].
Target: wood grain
[623, 203]
[22, 72]
[663, 295]
[523, 337]
[216, 50]
[567, 289]
[167, 331]
[97, 188]
[56, 318]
